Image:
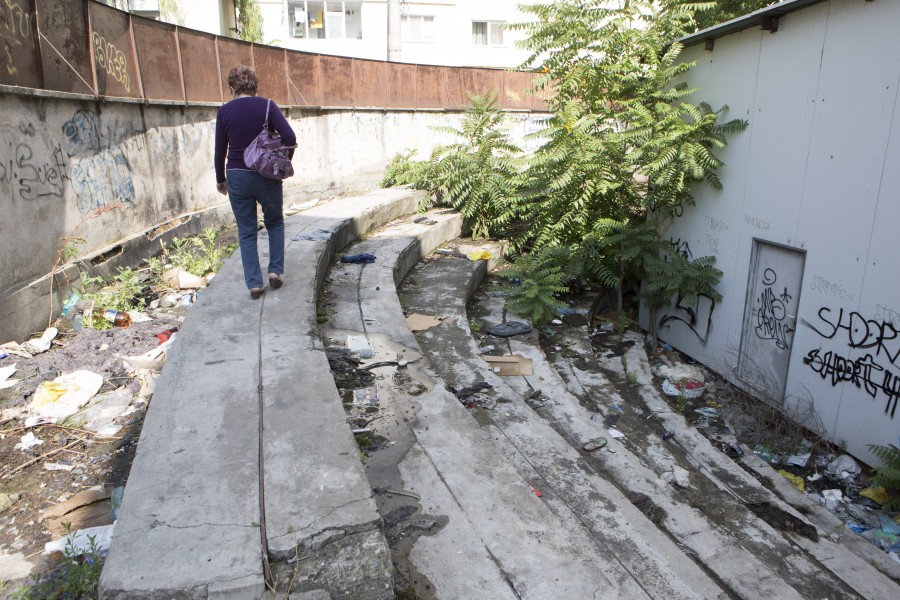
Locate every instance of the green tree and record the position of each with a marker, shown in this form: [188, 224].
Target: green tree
[624, 148]
[725, 10]
[477, 176]
[249, 21]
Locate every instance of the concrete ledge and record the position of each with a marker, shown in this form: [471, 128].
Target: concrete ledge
[236, 406]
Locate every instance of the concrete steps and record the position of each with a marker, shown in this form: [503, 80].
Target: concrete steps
[244, 461]
[499, 539]
[726, 546]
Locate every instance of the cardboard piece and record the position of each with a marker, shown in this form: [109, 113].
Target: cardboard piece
[511, 364]
[419, 322]
[90, 508]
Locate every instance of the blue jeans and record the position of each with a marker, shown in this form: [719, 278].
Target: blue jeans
[245, 189]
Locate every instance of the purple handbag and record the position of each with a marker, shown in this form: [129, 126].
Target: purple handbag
[267, 155]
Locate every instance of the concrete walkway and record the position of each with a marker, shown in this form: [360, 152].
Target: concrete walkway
[244, 458]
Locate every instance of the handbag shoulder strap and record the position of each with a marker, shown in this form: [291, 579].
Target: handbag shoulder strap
[266, 122]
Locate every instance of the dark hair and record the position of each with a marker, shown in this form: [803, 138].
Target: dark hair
[243, 80]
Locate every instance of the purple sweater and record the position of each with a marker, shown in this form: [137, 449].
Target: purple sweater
[238, 123]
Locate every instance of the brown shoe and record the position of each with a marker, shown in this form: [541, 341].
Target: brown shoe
[255, 293]
[275, 281]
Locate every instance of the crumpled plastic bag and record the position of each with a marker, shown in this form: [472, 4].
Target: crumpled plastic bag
[65, 395]
[480, 255]
[844, 467]
[102, 411]
[689, 388]
[795, 480]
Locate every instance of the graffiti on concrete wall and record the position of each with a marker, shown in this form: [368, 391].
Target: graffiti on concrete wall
[27, 177]
[827, 288]
[15, 28]
[876, 372]
[111, 59]
[697, 316]
[104, 176]
[770, 308]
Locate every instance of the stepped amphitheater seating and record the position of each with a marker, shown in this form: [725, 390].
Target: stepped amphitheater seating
[247, 470]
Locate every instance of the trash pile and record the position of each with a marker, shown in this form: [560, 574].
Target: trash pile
[834, 480]
[72, 401]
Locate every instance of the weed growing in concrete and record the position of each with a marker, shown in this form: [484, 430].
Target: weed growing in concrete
[77, 576]
[632, 377]
[200, 254]
[475, 326]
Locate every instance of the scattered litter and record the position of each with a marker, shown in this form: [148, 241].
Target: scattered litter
[10, 414]
[832, 498]
[153, 359]
[49, 466]
[616, 408]
[689, 388]
[479, 394]
[41, 344]
[362, 430]
[28, 441]
[359, 345]
[101, 412]
[508, 329]
[795, 480]
[165, 335]
[88, 508]
[138, 317]
[843, 467]
[798, 460]
[180, 279]
[79, 541]
[480, 255]
[5, 373]
[814, 477]
[65, 395]
[669, 434]
[536, 491]
[594, 444]
[31, 347]
[878, 494]
[366, 396]
[510, 365]
[679, 372]
[616, 434]
[362, 258]
[605, 327]
[35, 421]
[556, 322]
[417, 322]
[319, 235]
[709, 413]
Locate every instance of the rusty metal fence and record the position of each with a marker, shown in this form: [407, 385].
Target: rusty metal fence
[84, 47]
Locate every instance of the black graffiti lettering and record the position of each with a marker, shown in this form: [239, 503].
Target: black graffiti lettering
[862, 333]
[681, 247]
[861, 372]
[698, 317]
[771, 313]
[30, 178]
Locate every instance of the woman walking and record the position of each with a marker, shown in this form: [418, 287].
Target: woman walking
[237, 124]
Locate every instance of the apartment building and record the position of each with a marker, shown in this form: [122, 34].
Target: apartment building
[438, 32]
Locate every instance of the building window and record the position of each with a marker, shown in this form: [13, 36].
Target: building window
[417, 28]
[487, 33]
[321, 19]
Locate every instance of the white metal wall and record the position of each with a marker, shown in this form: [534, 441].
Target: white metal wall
[818, 169]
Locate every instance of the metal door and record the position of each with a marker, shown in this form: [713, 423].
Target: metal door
[770, 318]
